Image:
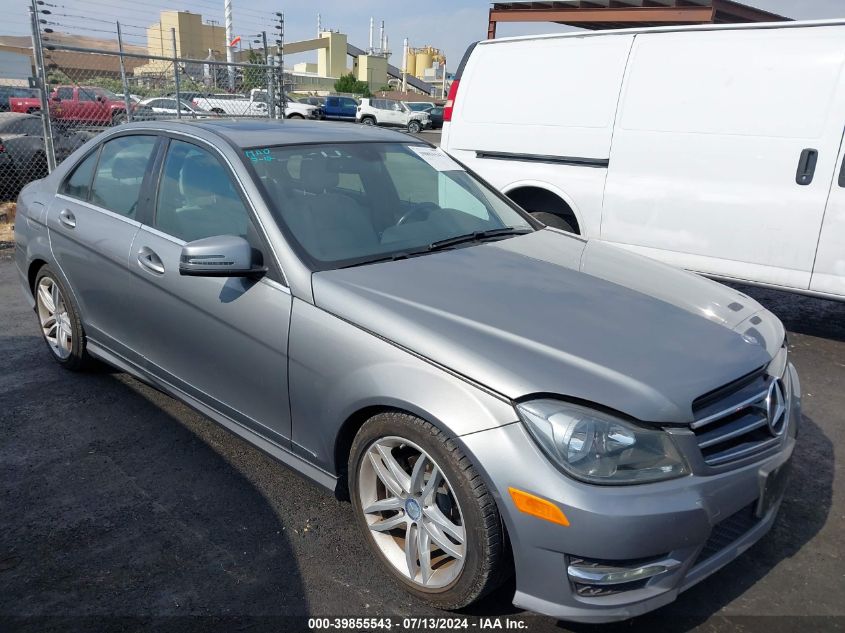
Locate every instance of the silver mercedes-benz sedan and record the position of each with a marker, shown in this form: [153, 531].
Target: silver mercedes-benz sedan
[493, 396]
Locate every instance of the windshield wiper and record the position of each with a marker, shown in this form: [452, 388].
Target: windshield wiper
[476, 236]
[387, 258]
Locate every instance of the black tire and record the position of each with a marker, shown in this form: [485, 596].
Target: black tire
[217, 111]
[296, 116]
[79, 359]
[486, 563]
[368, 120]
[414, 126]
[118, 118]
[553, 220]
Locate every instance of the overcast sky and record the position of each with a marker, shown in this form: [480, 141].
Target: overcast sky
[446, 24]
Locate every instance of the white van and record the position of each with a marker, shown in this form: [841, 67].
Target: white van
[714, 148]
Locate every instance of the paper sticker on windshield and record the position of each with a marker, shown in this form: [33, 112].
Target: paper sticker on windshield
[436, 157]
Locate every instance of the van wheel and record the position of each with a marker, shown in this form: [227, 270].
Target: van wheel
[425, 512]
[553, 220]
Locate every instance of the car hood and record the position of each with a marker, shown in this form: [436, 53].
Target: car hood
[549, 313]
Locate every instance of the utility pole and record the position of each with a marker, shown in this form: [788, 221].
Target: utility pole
[41, 79]
[230, 54]
[280, 62]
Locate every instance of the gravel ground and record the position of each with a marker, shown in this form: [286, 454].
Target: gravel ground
[122, 509]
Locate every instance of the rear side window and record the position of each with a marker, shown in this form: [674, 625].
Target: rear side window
[64, 93]
[78, 184]
[120, 173]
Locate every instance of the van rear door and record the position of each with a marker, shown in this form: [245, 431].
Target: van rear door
[724, 149]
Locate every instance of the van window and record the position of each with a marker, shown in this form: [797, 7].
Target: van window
[739, 83]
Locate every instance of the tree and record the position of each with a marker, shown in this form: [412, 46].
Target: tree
[348, 83]
[253, 77]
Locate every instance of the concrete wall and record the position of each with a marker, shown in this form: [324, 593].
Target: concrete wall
[331, 61]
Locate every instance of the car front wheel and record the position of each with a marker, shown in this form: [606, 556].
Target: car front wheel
[414, 127]
[425, 512]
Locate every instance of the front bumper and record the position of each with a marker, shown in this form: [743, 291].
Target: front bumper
[701, 522]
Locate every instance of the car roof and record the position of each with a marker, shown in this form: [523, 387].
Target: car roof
[269, 132]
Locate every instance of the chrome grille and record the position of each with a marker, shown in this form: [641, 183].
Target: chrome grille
[741, 419]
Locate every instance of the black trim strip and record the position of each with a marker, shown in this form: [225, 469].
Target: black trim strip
[543, 158]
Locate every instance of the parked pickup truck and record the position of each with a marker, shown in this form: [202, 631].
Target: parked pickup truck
[293, 109]
[89, 105]
[340, 108]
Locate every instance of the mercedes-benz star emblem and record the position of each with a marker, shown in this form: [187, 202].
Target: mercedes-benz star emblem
[775, 407]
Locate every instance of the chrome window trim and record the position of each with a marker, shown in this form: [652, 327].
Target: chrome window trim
[103, 210]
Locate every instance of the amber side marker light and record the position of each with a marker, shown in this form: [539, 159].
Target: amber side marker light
[538, 507]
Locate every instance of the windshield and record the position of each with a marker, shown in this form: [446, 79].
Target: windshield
[108, 95]
[348, 204]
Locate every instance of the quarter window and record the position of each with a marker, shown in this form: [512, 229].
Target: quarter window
[79, 183]
[197, 197]
[120, 173]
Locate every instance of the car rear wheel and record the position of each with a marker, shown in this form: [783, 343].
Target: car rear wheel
[118, 118]
[414, 127]
[425, 512]
[61, 327]
[368, 120]
[296, 116]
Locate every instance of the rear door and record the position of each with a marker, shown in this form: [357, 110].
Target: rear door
[712, 132]
[221, 340]
[92, 222]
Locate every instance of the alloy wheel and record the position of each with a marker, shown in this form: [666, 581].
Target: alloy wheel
[412, 512]
[53, 315]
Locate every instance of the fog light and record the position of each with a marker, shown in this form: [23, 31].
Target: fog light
[595, 573]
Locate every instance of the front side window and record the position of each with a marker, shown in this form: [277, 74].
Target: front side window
[197, 197]
[347, 204]
[64, 93]
[120, 173]
[78, 184]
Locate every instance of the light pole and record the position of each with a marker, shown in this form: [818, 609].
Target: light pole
[230, 54]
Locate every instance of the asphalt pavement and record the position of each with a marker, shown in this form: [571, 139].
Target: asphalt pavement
[122, 509]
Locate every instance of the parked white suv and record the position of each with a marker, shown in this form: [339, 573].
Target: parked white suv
[393, 113]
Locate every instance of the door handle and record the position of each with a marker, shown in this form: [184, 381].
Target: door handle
[806, 166]
[67, 218]
[149, 260]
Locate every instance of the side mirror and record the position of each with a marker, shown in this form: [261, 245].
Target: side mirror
[219, 256]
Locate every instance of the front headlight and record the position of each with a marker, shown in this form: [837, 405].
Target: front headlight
[599, 448]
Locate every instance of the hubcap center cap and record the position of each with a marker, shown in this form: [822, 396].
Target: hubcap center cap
[413, 509]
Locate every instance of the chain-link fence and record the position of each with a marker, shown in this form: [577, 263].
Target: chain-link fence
[87, 91]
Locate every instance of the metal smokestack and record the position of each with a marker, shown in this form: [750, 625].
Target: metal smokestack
[405, 65]
[381, 36]
[319, 25]
[371, 36]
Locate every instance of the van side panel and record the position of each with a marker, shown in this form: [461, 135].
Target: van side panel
[710, 131]
[571, 114]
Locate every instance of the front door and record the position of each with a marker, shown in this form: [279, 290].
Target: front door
[92, 222]
[221, 340]
[723, 155]
[829, 269]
